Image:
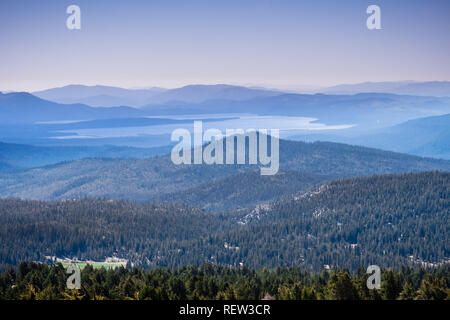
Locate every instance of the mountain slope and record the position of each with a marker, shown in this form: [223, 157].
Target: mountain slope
[200, 93]
[98, 96]
[26, 156]
[151, 178]
[94, 229]
[365, 110]
[244, 190]
[424, 137]
[114, 96]
[388, 220]
[431, 88]
[22, 107]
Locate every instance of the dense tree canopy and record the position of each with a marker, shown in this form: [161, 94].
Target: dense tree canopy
[31, 281]
[388, 220]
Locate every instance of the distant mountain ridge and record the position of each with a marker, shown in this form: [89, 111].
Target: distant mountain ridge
[22, 107]
[108, 96]
[104, 96]
[427, 137]
[431, 88]
[201, 93]
[27, 156]
[365, 109]
[98, 96]
[371, 109]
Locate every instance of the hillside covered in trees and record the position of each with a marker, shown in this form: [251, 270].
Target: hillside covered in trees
[155, 178]
[243, 190]
[389, 220]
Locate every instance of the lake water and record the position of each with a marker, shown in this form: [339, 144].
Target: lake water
[286, 125]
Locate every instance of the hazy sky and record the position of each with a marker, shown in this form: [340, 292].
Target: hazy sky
[173, 43]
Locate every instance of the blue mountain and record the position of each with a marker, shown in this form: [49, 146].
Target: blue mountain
[14, 156]
[22, 107]
[426, 137]
[99, 96]
[430, 88]
[365, 109]
[200, 93]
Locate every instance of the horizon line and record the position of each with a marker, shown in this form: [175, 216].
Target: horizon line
[287, 88]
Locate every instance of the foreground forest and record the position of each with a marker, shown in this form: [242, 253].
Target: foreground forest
[32, 281]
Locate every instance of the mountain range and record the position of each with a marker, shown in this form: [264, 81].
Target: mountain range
[20, 156]
[381, 120]
[101, 96]
[22, 107]
[366, 110]
[427, 137]
[335, 204]
[430, 88]
[158, 178]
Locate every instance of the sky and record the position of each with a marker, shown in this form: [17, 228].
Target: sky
[277, 44]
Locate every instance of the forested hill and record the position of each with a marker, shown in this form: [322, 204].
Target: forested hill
[97, 228]
[389, 220]
[149, 179]
[21, 156]
[246, 189]
[386, 220]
